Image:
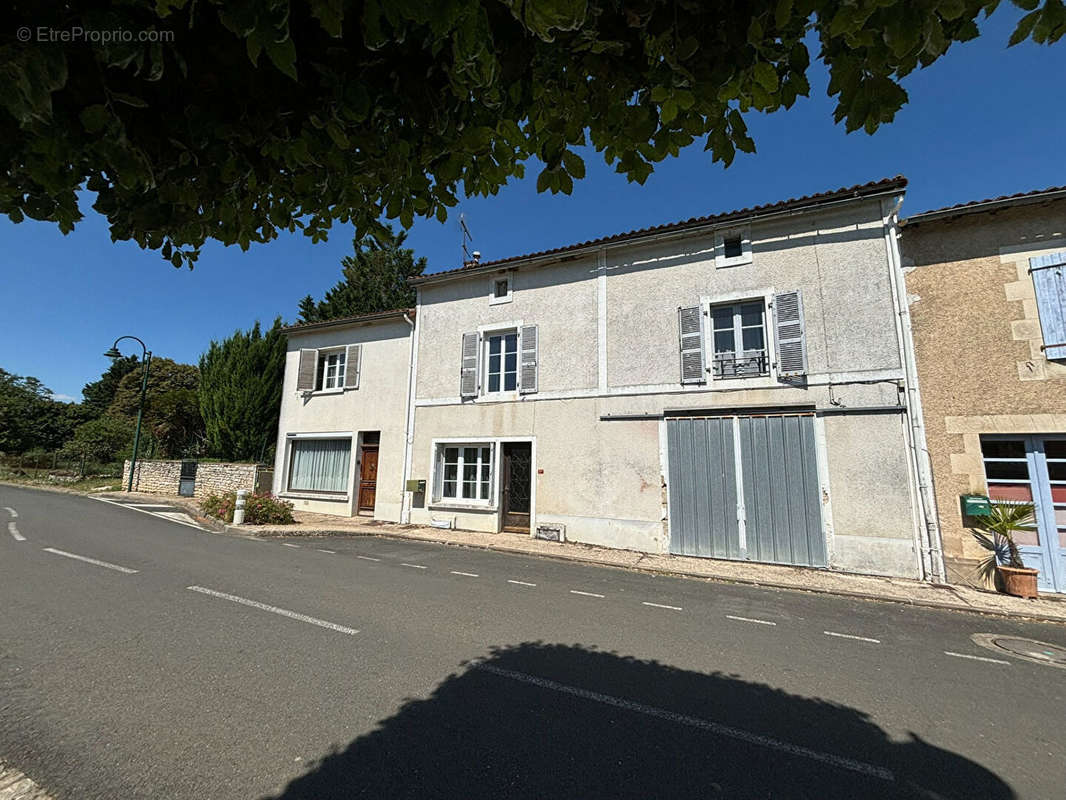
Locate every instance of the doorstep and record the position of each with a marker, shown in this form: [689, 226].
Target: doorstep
[867, 587]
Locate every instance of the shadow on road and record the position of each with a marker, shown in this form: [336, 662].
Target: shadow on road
[556, 721]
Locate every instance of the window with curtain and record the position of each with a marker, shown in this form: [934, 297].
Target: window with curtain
[319, 465]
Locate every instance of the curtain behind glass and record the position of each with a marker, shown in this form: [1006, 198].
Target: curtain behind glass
[320, 465]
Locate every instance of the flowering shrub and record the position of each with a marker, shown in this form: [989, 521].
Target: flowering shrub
[259, 509]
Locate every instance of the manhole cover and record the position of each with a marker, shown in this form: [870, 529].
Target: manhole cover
[1052, 655]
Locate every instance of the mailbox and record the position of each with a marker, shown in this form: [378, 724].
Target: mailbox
[975, 505]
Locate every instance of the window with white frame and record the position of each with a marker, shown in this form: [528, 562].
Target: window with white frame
[319, 465]
[499, 289]
[464, 473]
[331, 364]
[732, 247]
[738, 340]
[501, 362]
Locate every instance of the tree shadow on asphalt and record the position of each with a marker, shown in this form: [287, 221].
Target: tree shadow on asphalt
[555, 721]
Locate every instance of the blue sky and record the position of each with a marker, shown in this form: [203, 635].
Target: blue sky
[981, 122]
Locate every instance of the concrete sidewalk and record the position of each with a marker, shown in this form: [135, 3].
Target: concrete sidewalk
[961, 598]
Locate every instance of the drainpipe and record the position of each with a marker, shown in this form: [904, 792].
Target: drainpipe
[409, 430]
[930, 544]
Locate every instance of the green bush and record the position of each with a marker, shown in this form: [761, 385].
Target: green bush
[259, 509]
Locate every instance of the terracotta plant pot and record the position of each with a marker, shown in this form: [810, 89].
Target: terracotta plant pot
[1019, 581]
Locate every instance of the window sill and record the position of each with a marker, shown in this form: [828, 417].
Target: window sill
[442, 505]
[735, 261]
[497, 301]
[296, 495]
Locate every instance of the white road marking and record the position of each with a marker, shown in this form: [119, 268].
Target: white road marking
[977, 658]
[88, 560]
[368, 558]
[12, 528]
[331, 552]
[521, 583]
[413, 566]
[716, 728]
[286, 544]
[14, 514]
[851, 636]
[275, 610]
[147, 505]
[750, 619]
[659, 605]
[146, 511]
[586, 594]
[467, 574]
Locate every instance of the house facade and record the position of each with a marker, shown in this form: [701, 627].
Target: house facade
[738, 386]
[987, 289]
[342, 433]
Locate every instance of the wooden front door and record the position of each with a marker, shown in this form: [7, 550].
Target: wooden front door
[368, 478]
[517, 483]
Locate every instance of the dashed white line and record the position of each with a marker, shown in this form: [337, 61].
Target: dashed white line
[716, 728]
[586, 594]
[521, 583]
[852, 636]
[12, 528]
[333, 626]
[413, 566]
[88, 560]
[331, 552]
[750, 619]
[287, 544]
[660, 605]
[368, 558]
[977, 658]
[467, 574]
[14, 514]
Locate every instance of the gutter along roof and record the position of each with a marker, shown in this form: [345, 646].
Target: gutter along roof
[358, 319]
[991, 204]
[792, 205]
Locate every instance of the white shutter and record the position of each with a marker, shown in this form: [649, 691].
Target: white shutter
[1049, 280]
[790, 334]
[527, 380]
[352, 365]
[468, 370]
[690, 334]
[438, 473]
[305, 375]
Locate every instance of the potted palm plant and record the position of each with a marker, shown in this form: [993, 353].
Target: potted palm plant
[995, 533]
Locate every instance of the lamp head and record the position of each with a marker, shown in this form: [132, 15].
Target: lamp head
[113, 353]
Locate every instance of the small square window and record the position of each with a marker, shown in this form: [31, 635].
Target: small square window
[500, 289]
[732, 247]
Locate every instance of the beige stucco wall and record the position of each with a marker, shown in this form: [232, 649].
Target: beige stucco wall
[379, 404]
[604, 479]
[977, 341]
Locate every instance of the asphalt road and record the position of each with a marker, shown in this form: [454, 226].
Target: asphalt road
[184, 664]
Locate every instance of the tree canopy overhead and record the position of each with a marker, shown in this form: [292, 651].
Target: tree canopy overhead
[247, 117]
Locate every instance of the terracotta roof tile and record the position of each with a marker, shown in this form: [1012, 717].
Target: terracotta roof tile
[975, 206]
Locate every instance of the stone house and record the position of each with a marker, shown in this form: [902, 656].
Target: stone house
[987, 292]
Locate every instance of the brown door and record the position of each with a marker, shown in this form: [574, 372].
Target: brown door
[368, 478]
[517, 483]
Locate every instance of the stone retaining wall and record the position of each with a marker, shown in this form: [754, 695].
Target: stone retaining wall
[162, 477]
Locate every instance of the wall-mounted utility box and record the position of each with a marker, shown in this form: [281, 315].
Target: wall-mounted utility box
[550, 533]
[975, 505]
[416, 486]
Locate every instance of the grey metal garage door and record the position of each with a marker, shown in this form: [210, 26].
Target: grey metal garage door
[745, 487]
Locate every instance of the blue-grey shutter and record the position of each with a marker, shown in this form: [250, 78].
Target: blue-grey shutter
[790, 334]
[468, 371]
[1049, 280]
[690, 338]
[527, 380]
[305, 375]
[351, 366]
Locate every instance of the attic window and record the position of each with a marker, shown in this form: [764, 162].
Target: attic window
[733, 245]
[500, 289]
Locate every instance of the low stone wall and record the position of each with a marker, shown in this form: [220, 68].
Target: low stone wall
[162, 477]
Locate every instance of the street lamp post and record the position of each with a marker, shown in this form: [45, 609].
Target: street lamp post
[113, 353]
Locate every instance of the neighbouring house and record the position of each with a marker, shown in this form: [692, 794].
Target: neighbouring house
[734, 386]
[987, 292]
[344, 409]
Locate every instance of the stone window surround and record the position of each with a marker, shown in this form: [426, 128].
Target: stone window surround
[969, 462]
[1027, 328]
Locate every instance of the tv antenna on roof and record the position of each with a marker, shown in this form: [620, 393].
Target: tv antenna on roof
[466, 236]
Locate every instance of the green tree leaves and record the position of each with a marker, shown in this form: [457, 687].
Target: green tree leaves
[261, 116]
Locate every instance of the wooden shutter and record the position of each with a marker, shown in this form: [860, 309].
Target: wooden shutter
[468, 371]
[527, 376]
[305, 376]
[352, 365]
[1049, 280]
[790, 334]
[690, 328]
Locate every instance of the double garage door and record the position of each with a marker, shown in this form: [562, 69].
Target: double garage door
[745, 488]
